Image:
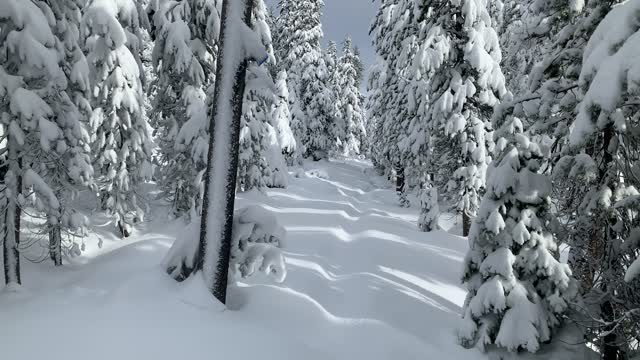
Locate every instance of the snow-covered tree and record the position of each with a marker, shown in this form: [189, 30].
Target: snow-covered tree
[73, 170]
[337, 126]
[120, 134]
[602, 157]
[444, 58]
[359, 65]
[311, 101]
[186, 39]
[43, 77]
[281, 116]
[462, 62]
[211, 252]
[429, 210]
[261, 161]
[519, 290]
[255, 132]
[348, 98]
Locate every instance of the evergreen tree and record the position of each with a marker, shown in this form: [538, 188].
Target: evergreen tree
[44, 150]
[184, 57]
[359, 65]
[518, 288]
[429, 210]
[405, 124]
[602, 158]
[311, 101]
[348, 103]
[281, 116]
[460, 59]
[337, 128]
[120, 134]
[253, 169]
[73, 170]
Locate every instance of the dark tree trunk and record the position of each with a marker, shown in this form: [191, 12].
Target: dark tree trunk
[466, 222]
[610, 348]
[55, 244]
[11, 234]
[401, 187]
[216, 265]
[123, 229]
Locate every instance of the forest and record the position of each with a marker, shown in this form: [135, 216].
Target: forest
[471, 192]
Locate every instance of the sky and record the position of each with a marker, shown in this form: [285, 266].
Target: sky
[348, 17]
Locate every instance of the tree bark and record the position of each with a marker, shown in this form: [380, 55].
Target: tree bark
[55, 244]
[219, 200]
[11, 242]
[466, 223]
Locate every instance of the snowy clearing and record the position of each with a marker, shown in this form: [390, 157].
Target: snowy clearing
[362, 283]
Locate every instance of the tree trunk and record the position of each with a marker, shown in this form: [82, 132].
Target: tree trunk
[610, 348]
[13, 181]
[401, 187]
[220, 179]
[55, 244]
[466, 223]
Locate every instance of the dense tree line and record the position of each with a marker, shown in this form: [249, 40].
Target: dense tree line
[99, 97]
[521, 116]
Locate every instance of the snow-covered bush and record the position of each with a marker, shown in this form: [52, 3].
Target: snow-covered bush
[257, 242]
[256, 246]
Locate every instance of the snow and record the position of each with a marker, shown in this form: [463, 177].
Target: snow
[362, 283]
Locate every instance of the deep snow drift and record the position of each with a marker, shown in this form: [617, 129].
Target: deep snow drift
[362, 283]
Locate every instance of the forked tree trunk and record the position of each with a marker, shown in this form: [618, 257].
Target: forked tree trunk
[220, 178]
[13, 182]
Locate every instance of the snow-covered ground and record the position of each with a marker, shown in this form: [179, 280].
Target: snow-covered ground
[362, 283]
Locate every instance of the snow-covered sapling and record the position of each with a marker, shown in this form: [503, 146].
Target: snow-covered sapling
[519, 290]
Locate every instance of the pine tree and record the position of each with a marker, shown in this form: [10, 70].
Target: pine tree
[211, 254]
[44, 152]
[184, 57]
[518, 288]
[261, 160]
[359, 65]
[311, 101]
[461, 62]
[120, 134]
[404, 126]
[337, 127]
[348, 103]
[73, 170]
[253, 169]
[281, 116]
[429, 210]
[601, 157]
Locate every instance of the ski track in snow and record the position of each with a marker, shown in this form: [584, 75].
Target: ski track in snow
[362, 283]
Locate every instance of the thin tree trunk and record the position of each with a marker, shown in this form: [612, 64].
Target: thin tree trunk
[466, 222]
[55, 244]
[219, 198]
[11, 242]
[610, 348]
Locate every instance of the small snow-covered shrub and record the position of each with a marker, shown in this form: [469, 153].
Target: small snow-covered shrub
[257, 243]
[319, 173]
